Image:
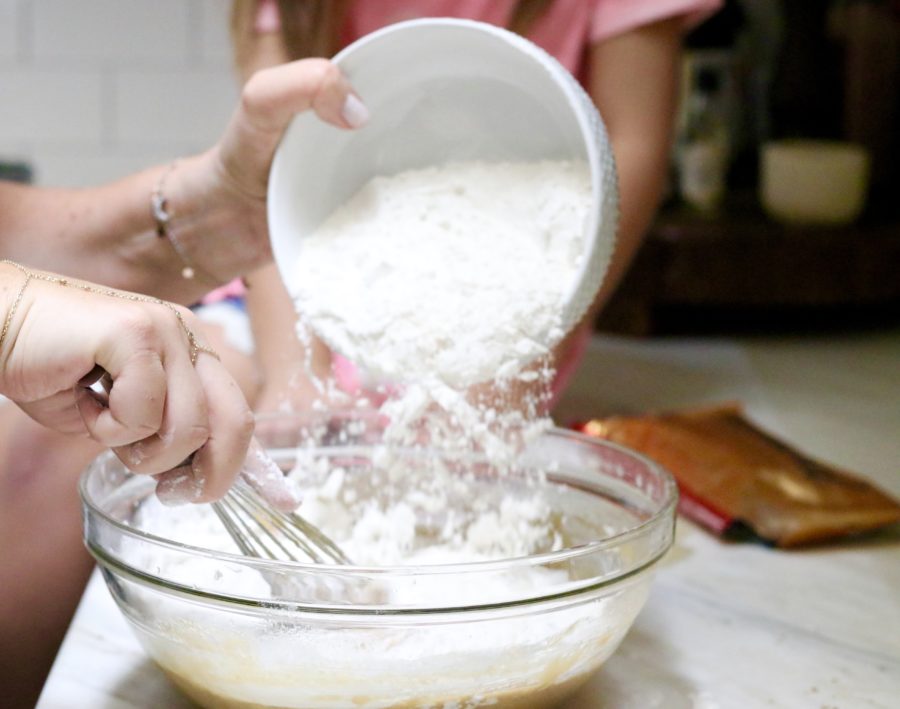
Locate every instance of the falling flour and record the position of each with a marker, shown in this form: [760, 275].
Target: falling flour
[448, 284]
[446, 277]
[456, 273]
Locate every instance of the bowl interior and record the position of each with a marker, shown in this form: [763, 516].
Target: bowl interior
[516, 632]
[597, 514]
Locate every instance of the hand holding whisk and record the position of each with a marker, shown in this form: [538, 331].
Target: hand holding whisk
[258, 513]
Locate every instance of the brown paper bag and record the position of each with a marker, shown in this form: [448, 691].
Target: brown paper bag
[730, 472]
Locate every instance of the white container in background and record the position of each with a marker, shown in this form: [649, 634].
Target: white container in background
[703, 167]
[706, 131]
[813, 181]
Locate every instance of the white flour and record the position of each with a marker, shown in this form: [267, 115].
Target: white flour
[494, 657]
[434, 280]
[411, 525]
[455, 273]
[442, 278]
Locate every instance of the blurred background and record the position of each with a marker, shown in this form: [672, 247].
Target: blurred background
[94, 89]
[783, 211]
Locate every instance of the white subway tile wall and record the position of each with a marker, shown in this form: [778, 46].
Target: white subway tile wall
[9, 44]
[91, 90]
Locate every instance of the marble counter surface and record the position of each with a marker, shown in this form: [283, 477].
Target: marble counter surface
[726, 625]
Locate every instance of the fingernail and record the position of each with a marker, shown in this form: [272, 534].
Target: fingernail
[137, 454]
[354, 111]
[199, 477]
[179, 487]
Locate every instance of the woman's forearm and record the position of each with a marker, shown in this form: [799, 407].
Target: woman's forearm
[109, 234]
[216, 200]
[641, 175]
[634, 84]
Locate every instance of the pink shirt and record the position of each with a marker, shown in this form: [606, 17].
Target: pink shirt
[564, 30]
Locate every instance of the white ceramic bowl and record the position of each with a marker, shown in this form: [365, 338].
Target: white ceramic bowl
[814, 181]
[441, 90]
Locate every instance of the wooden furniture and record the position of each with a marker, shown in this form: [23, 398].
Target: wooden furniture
[739, 271]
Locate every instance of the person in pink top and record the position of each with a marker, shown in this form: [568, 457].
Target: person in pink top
[625, 53]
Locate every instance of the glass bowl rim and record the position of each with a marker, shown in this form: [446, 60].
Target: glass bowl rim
[664, 513]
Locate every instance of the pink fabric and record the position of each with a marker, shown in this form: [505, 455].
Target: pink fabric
[234, 289]
[565, 30]
[267, 18]
[615, 17]
[346, 374]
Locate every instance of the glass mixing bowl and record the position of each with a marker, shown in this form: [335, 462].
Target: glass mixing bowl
[232, 631]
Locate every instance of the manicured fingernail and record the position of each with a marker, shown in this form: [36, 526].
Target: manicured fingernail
[354, 111]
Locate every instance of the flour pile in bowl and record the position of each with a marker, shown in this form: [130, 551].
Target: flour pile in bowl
[442, 278]
[473, 642]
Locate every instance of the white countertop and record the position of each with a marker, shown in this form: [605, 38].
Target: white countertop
[726, 625]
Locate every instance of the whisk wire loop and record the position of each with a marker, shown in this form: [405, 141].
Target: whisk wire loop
[261, 531]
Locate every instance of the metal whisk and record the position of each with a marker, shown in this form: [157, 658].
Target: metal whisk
[264, 532]
[260, 530]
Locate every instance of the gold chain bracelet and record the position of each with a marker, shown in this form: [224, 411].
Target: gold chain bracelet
[195, 347]
[159, 207]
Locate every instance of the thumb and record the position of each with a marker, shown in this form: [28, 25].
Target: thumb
[269, 101]
[271, 97]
